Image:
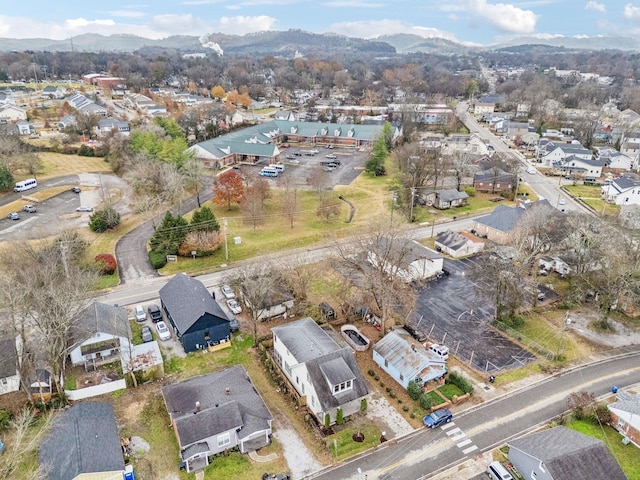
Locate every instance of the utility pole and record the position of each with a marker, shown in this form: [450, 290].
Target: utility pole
[413, 193]
[226, 247]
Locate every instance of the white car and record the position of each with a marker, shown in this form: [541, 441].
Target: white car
[227, 292]
[331, 156]
[141, 315]
[234, 306]
[163, 331]
[562, 201]
[84, 209]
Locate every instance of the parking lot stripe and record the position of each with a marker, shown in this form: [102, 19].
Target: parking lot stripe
[470, 449]
[464, 443]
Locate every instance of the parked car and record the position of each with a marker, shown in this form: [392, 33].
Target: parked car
[291, 157]
[154, 313]
[76, 190]
[139, 313]
[29, 209]
[147, 336]
[331, 156]
[13, 216]
[234, 306]
[416, 333]
[227, 292]
[437, 418]
[562, 201]
[163, 331]
[84, 209]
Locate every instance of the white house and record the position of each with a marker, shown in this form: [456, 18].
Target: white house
[573, 165]
[622, 191]
[625, 416]
[108, 125]
[11, 113]
[23, 127]
[405, 258]
[323, 373]
[551, 152]
[9, 375]
[100, 335]
[458, 244]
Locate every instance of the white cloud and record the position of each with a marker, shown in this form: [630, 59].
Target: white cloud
[126, 13]
[631, 12]
[593, 5]
[353, 4]
[243, 25]
[376, 28]
[504, 16]
[81, 23]
[201, 2]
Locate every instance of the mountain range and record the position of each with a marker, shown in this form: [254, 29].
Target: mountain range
[292, 42]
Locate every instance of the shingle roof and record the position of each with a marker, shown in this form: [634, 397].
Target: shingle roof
[570, 454]
[187, 300]
[452, 240]
[627, 402]
[102, 318]
[219, 411]
[83, 439]
[451, 195]
[7, 358]
[406, 251]
[305, 339]
[503, 218]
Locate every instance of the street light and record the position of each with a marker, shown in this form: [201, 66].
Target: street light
[226, 247]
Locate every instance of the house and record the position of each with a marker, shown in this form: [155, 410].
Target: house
[101, 335]
[614, 161]
[552, 263]
[273, 304]
[83, 443]
[449, 198]
[622, 191]
[52, 92]
[286, 115]
[553, 152]
[9, 375]
[573, 165]
[41, 385]
[196, 318]
[67, 121]
[323, 373]
[499, 226]
[108, 125]
[23, 127]
[625, 416]
[494, 180]
[468, 144]
[406, 259]
[217, 412]
[559, 453]
[458, 244]
[11, 113]
[405, 360]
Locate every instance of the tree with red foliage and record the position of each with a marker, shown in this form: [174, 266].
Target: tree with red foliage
[228, 188]
[107, 263]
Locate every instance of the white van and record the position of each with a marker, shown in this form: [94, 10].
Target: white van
[277, 166]
[27, 184]
[440, 350]
[497, 472]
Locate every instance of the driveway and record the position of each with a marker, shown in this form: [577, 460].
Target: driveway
[451, 312]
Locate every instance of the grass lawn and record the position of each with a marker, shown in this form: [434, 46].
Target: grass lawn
[626, 455]
[590, 194]
[346, 446]
[58, 164]
[449, 390]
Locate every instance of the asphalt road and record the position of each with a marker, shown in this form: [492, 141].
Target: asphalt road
[424, 453]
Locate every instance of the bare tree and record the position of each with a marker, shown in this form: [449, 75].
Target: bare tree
[252, 205]
[23, 446]
[192, 171]
[460, 165]
[289, 198]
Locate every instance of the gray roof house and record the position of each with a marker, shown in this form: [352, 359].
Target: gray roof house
[216, 412]
[9, 376]
[398, 354]
[560, 453]
[323, 373]
[407, 259]
[458, 244]
[196, 318]
[493, 180]
[444, 199]
[625, 415]
[500, 224]
[83, 440]
[101, 335]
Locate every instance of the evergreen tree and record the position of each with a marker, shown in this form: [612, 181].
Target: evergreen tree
[169, 235]
[204, 219]
[6, 179]
[375, 164]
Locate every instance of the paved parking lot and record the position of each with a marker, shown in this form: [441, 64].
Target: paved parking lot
[351, 165]
[453, 313]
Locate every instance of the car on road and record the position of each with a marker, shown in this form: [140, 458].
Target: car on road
[294, 160]
[437, 418]
[139, 313]
[331, 155]
[562, 201]
[29, 209]
[13, 216]
[163, 331]
[76, 190]
[227, 292]
[290, 157]
[531, 170]
[147, 336]
[84, 209]
[154, 313]
[234, 306]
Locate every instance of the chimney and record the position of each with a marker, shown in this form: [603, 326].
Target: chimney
[197, 407]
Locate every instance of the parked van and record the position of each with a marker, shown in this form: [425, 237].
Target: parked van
[278, 166]
[440, 350]
[27, 184]
[269, 172]
[497, 472]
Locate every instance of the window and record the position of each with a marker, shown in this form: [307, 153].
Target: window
[224, 439]
[401, 377]
[386, 363]
[343, 386]
[206, 335]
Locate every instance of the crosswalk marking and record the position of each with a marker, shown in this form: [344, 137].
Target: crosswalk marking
[464, 443]
[447, 426]
[460, 436]
[470, 449]
[455, 431]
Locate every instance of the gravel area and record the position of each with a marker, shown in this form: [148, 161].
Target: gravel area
[620, 336]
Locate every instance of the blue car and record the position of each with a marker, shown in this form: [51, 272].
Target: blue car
[437, 418]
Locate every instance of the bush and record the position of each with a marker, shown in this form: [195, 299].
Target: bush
[376, 378]
[157, 259]
[363, 405]
[460, 382]
[107, 263]
[414, 390]
[470, 191]
[5, 420]
[104, 219]
[388, 389]
[339, 416]
[327, 421]
[371, 373]
[406, 409]
[425, 401]
[513, 321]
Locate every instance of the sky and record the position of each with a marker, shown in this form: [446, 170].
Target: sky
[473, 22]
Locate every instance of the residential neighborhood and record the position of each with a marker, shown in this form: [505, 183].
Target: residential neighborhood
[293, 266]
